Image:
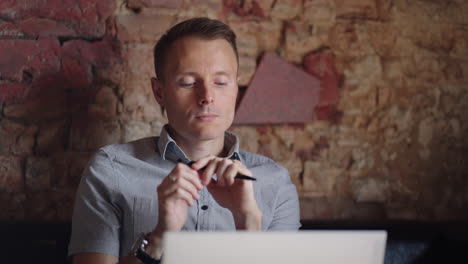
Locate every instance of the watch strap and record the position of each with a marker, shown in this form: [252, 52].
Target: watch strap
[145, 258]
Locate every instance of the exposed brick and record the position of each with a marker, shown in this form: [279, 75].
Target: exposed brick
[262, 8]
[38, 173]
[142, 28]
[271, 146]
[77, 73]
[48, 104]
[10, 30]
[101, 54]
[382, 37]
[13, 61]
[460, 45]
[303, 145]
[7, 4]
[286, 9]
[203, 8]
[286, 134]
[45, 27]
[385, 10]
[248, 137]
[350, 40]
[319, 11]
[318, 179]
[322, 65]
[249, 42]
[11, 91]
[258, 8]
[12, 204]
[79, 102]
[365, 9]
[155, 3]
[316, 208]
[134, 130]
[105, 8]
[279, 80]
[86, 135]
[11, 173]
[362, 211]
[87, 17]
[53, 205]
[295, 169]
[51, 137]
[31, 56]
[138, 99]
[140, 105]
[105, 104]
[17, 139]
[68, 168]
[247, 67]
[300, 40]
[369, 190]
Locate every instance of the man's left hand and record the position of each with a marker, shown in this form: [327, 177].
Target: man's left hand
[234, 194]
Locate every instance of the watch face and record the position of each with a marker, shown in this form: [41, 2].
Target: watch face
[140, 243]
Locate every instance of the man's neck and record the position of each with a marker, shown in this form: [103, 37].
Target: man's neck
[198, 149]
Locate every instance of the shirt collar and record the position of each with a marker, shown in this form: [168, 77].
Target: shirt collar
[169, 149]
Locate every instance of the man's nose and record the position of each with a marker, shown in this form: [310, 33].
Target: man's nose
[205, 94]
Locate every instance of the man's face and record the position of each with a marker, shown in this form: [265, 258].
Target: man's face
[199, 87]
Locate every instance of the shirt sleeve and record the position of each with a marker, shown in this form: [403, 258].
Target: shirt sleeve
[96, 215]
[286, 213]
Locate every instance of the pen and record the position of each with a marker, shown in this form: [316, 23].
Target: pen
[238, 176]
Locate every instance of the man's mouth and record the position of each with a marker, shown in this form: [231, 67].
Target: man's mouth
[206, 117]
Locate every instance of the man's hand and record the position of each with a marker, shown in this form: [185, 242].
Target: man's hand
[235, 195]
[176, 193]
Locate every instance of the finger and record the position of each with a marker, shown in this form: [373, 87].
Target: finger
[230, 173]
[242, 169]
[209, 171]
[193, 177]
[221, 170]
[201, 163]
[178, 194]
[182, 170]
[182, 195]
[181, 183]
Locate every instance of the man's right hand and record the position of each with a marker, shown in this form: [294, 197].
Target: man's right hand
[175, 194]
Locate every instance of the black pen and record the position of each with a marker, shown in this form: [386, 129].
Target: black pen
[238, 176]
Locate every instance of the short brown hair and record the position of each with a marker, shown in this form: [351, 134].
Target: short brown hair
[201, 27]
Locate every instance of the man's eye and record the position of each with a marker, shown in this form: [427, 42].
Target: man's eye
[221, 83]
[186, 84]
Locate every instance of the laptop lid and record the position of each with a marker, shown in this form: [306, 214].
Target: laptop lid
[328, 247]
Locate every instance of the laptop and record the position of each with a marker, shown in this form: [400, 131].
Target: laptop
[321, 247]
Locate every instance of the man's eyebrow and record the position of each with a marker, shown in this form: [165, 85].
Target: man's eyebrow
[195, 74]
[222, 73]
[186, 73]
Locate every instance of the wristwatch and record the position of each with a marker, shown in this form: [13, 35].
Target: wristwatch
[138, 250]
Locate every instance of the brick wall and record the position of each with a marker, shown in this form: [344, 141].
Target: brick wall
[388, 141]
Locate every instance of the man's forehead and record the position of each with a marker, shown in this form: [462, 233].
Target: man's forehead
[188, 55]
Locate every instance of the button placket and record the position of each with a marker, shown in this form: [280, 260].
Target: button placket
[204, 212]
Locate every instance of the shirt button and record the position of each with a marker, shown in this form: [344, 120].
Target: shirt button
[204, 207]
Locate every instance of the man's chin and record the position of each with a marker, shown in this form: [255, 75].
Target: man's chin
[208, 133]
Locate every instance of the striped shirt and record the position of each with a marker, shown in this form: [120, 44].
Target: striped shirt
[116, 199]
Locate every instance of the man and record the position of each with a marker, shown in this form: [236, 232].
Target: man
[185, 179]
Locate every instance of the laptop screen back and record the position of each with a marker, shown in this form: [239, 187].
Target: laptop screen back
[330, 247]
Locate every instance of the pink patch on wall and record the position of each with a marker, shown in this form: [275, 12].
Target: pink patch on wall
[279, 93]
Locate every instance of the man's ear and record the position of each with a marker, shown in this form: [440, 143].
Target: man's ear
[157, 90]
